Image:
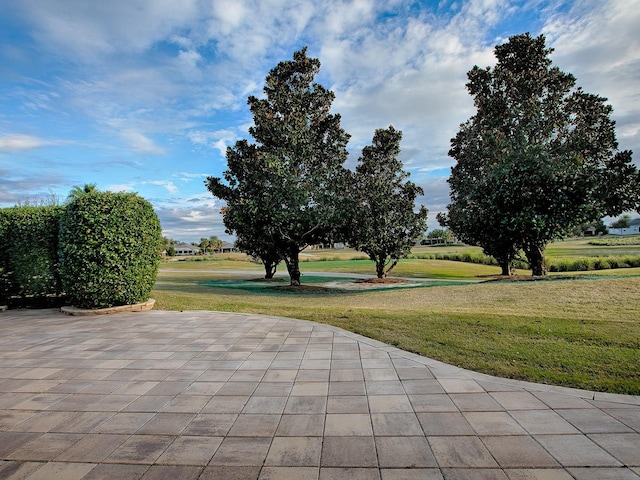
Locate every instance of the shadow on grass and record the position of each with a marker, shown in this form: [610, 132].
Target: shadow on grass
[316, 285]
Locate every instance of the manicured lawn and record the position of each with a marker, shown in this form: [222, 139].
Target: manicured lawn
[582, 332]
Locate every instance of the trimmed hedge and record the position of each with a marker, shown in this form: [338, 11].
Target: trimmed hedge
[110, 245]
[29, 256]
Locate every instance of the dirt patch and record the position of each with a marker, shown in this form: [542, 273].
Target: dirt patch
[298, 288]
[530, 278]
[381, 280]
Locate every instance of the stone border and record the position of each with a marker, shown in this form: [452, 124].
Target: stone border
[84, 312]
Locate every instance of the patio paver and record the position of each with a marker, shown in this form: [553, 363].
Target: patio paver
[208, 395]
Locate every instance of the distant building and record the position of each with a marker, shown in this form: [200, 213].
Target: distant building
[186, 249]
[633, 229]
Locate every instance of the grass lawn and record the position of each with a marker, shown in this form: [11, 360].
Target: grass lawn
[582, 332]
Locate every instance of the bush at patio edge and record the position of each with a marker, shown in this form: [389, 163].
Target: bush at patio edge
[110, 247]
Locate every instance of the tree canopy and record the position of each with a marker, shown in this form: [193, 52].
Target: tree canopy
[538, 158]
[384, 224]
[284, 190]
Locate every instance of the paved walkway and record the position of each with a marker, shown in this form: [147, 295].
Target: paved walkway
[206, 395]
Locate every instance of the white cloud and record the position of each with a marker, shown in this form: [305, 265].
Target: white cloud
[17, 142]
[169, 186]
[91, 30]
[141, 143]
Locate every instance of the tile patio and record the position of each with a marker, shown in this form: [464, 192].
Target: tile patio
[210, 395]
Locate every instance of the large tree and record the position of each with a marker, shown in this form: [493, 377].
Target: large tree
[384, 224]
[292, 178]
[537, 159]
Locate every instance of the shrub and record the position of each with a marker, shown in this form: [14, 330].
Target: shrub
[29, 255]
[110, 246]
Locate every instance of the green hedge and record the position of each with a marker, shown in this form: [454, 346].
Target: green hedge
[29, 256]
[110, 246]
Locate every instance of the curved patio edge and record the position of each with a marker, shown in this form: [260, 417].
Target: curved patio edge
[86, 312]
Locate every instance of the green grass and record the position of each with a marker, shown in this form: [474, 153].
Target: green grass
[582, 332]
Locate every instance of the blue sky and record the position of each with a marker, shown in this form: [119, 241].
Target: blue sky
[145, 95]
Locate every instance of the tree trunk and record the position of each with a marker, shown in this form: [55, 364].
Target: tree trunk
[506, 266]
[380, 268]
[293, 267]
[269, 269]
[535, 257]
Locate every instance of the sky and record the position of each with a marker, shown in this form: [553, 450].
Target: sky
[146, 95]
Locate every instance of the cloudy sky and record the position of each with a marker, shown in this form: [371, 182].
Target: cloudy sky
[145, 95]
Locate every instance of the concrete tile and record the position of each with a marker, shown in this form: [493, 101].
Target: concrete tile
[310, 389]
[148, 403]
[254, 425]
[493, 423]
[305, 375]
[266, 405]
[203, 388]
[210, 424]
[237, 388]
[349, 474]
[190, 450]
[346, 375]
[629, 416]
[404, 452]
[140, 449]
[92, 448]
[380, 375]
[421, 387]
[295, 452]
[538, 474]
[62, 471]
[602, 473]
[593, 421]
[44, 448]
[230, 473]
[460, 385]
[241, 451]
[171, 472]
[396, 424]
[541, 422]
[348, 425]
[347, 404]
[273, 389]
[518, 452]
[301, 425]
[346, 388]
[226, 404]
[461, 452]
[289, 473]
[306, 405]
[432, 403]
[475, 402]
[576, 451]
[473, 474]
[444, 424]
[10, 441]
[556, 400]
[349, 452]
[384, 387]
[518, 400]
[166, 424]
[124, 423]
[623, 446]
[389, 404]
[411, 474]
[18, 470]
[186, 404]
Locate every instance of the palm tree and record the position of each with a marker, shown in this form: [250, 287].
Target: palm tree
[77, 191]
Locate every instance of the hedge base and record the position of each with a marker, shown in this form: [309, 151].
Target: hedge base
[84, 312]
